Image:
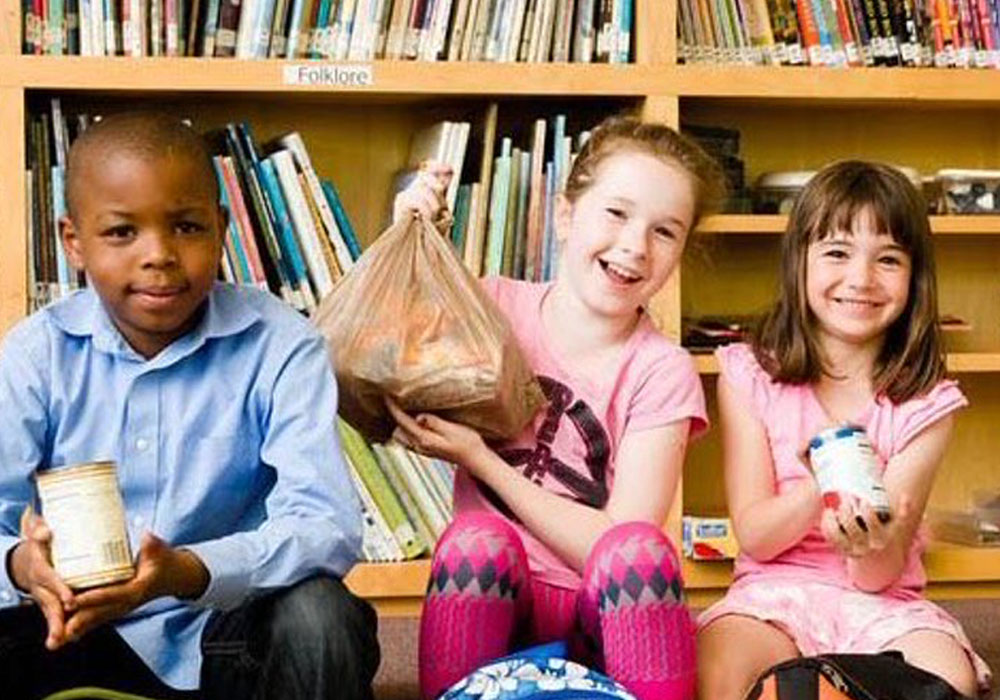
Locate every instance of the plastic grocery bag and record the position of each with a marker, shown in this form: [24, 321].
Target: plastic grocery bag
[411, 323]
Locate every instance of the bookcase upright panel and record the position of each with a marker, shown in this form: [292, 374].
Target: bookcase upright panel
[13, 241]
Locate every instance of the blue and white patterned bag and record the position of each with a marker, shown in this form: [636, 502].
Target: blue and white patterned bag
[538, 673]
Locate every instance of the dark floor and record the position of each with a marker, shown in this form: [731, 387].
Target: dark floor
[397, 676]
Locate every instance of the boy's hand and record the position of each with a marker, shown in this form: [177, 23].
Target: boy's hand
[857, 532]
[436, 437]
[31, 571]
[160, 571]
[426, 196]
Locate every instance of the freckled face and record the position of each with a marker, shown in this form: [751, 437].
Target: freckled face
[624, 235]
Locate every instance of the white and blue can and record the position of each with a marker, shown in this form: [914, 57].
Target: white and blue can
[846, 465]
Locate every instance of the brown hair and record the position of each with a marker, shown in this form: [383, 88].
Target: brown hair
[624, 133]
[912, 359]
[145, 134]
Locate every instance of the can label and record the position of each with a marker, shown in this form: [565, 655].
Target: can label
[83, 507]
[846, 467]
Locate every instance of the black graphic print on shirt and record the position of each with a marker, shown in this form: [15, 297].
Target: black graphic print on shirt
[535, 462]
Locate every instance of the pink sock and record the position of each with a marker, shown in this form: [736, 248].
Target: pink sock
[553, 612]
[632, 607]
[477, 592]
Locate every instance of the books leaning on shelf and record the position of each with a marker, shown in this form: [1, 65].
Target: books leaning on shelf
[355, 30]
[942, 33]
[405, 497]
[287, 230]
[503, 220]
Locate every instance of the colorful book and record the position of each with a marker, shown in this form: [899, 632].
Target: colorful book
[378, 485]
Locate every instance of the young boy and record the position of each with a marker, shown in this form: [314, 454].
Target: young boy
[217, 403]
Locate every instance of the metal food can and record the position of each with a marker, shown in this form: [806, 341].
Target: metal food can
[846, 466]
[83, 508]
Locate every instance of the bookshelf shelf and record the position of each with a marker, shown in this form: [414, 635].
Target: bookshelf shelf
[268, 76]
[771, 224]
[952, 570]
[926, 86]
[959, 362]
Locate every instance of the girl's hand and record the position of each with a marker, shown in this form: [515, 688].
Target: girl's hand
[31, 570]
[436, 437]
[857, 532]
[426, 196]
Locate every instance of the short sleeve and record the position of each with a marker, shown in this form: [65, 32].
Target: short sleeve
[671, 391]
[739, 367]
[914, 416]
[490, 285]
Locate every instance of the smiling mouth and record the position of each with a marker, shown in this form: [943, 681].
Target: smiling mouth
[858, 303]
[619, 274]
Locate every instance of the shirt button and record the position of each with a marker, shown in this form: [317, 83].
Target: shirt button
[141, 444]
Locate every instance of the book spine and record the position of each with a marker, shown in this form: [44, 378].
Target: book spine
[376, 537]
[228, 24]
[419, 489]
[406, 498]
[498, 209]
[308, 236]
[385, 498]
[280, 278]
[510, 208]
[233, 243]
[277, 195]
[293, 142]
[244, 227]
[343, 221]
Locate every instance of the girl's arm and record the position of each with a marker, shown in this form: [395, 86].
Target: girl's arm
[880, 551]
[765, 523]
[647, 471]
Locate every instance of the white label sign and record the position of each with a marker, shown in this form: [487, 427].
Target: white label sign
[329, 74]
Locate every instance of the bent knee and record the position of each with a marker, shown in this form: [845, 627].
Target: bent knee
[320, 613]
[637, 550]
[476, 554]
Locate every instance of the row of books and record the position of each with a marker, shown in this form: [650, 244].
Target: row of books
[406, 498]
[357, 30]
[502, 221]
[288, 231]
[942, 33]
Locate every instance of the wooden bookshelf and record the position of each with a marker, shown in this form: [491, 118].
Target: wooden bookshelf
[964, 363]
[903, 86]
[789, 119]
[171, 75]
[953, 570]
[774, 224]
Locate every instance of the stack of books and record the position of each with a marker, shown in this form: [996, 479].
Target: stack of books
[942, 33]
[406, 497]
[503, 203]
[355, 30]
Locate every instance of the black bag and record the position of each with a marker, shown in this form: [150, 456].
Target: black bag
[882, 676]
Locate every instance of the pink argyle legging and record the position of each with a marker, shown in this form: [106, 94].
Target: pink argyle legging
[628, 619]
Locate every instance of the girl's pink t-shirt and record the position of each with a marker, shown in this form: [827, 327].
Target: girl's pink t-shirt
[571, 445]
[791, 415]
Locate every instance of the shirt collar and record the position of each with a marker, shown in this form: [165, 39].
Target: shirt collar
[82, 314]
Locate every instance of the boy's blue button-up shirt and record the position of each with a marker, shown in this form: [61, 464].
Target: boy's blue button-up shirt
[225, 444]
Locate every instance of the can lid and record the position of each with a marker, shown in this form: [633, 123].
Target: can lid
[837, 433]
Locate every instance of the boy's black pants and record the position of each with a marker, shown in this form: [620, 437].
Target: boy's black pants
[315, 640]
